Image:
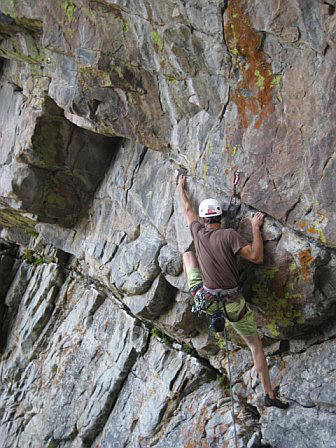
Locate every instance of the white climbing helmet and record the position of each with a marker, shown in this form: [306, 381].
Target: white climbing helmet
[209, 207]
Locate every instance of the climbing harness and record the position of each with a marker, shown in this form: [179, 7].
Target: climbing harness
[202, 303]
[204, 298]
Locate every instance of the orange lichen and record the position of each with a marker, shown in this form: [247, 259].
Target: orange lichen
[253, 94]
[306, 260]
[302, 224]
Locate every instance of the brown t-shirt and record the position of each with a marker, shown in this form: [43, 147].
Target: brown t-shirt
[216, 250]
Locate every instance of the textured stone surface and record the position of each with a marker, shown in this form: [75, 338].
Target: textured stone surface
[101, 103]
[49, 167]
[308, 380]
[92, 376]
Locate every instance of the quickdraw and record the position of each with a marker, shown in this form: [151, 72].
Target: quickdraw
[234, 186]
[200, 303]
[233, 199]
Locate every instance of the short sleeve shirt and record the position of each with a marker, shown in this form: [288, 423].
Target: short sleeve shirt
[216, 250]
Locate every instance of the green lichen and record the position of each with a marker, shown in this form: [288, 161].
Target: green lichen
[320, 234]
[293, 266]
[270, 272]
[118, 71]
[33, 258]
[234, 150]
[10, 218]
[32, 50]
[279, 298]
[22, 48]
[273, 329]
[260, 80]
[188, 349]
[289, 295]
[220, 341]
[30, 24]
[91, 76]
[107, 131]
[28, 255]
[156, 333]
[13, 7]
[69, 9]
[157, 40]
[276, 82]
[234, 43]
[125, 26]
[19, 56]
[170, 79]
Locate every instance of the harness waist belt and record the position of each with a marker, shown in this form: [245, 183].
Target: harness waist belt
[230, 295]
[224, 292]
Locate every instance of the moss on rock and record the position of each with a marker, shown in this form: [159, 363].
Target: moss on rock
[278, 295]
[157, 40]
[69, 9]
[10, 218]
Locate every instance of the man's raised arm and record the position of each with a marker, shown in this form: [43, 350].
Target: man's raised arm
[185, 201]
[255, 252]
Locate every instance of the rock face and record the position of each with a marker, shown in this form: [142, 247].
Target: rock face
[101, 102]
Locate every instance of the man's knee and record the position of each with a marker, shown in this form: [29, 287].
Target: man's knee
[255, 345]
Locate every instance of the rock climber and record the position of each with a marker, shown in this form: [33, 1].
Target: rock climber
[215, 250]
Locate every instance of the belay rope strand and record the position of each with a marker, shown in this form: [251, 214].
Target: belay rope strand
[232, 198]
[230, 383]
[217, 325]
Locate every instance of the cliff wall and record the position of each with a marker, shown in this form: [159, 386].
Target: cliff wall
[101, 103]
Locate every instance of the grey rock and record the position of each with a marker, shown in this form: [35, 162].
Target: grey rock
[155, 302]
[135, 265]
[213, 87]
[170, 261]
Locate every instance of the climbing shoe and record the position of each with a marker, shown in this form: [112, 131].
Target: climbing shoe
[275, 402]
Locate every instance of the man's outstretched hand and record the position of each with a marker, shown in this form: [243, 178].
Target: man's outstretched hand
[181, 181]
[185, 201]
[257, 220]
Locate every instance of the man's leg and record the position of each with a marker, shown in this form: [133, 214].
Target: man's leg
[247, 329]
[192, 271]
[189, 261]
[255, 345]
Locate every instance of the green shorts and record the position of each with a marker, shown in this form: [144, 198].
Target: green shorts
[245, 326]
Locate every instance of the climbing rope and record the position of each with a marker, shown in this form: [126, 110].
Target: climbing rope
[230, 382]
[217, 324]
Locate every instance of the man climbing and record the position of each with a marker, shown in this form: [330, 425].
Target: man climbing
[216, 249]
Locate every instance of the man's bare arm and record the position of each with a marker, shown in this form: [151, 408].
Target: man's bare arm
[185, 201]
[255, 252]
